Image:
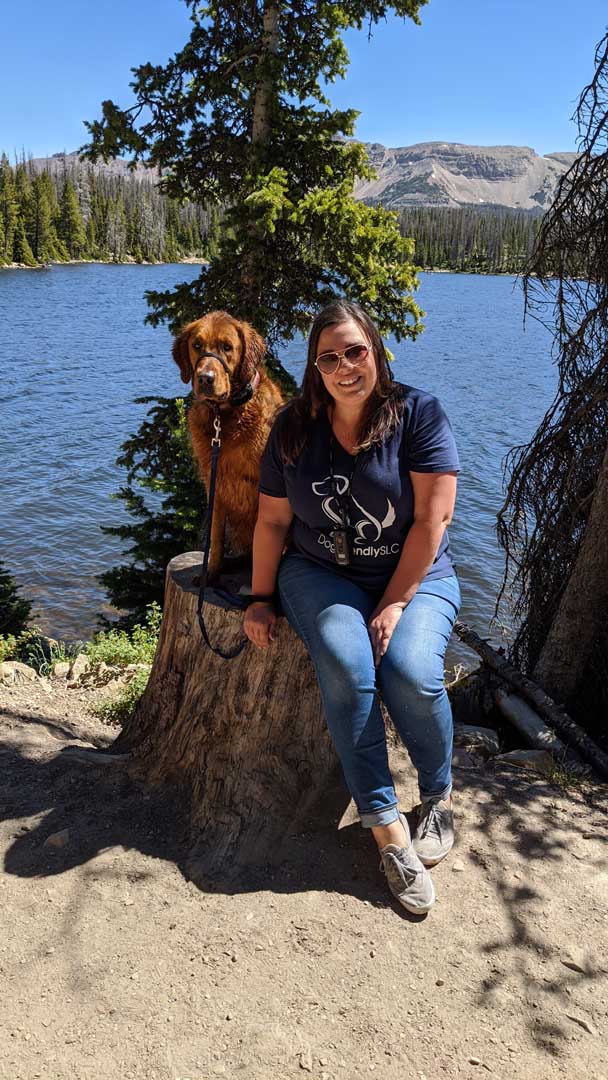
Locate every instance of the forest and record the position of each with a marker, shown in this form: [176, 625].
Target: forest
[476, 240]
[80, 213]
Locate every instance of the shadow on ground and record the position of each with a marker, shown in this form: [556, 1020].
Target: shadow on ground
[511, 822]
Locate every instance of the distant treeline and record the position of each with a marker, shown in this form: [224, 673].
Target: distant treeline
[479, 240]
[78, 213]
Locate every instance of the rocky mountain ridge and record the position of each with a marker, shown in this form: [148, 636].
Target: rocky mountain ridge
[454, 174]
[425, 174]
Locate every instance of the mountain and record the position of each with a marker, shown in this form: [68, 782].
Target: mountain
[426, 174]
[453, 174]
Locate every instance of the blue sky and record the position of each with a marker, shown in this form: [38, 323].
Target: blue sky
[476, 71]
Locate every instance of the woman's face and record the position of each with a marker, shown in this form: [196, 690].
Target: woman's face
[352, 383]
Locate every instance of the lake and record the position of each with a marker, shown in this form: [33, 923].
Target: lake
[75, 353]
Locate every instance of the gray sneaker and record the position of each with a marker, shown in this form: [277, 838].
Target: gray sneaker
[434, 834]
[406, 876]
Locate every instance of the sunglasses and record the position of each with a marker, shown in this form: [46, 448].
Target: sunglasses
[329, 362]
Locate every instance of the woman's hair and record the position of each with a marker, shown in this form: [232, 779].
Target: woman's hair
[384, 407]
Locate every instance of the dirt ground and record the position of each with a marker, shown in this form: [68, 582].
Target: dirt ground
[114, 966]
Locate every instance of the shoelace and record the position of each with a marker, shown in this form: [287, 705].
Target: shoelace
[396, 871]
[431, 821]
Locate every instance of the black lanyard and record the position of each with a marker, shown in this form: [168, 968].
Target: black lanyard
[342, 499]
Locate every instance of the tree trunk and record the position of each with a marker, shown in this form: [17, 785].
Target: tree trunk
[581, 615]
[261, 129]
[245, 739]
[265, 90]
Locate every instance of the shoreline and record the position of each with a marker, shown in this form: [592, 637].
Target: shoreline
[195, 260]
[189, 260]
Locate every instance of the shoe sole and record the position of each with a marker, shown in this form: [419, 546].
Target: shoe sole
[416, 910]
[432, 862]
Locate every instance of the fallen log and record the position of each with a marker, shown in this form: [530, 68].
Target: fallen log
[543, 704]
[528, 723]
[244, 740]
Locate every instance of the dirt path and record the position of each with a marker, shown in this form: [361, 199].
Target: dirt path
[113, 966]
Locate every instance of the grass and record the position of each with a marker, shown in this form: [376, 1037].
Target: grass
[565, 776]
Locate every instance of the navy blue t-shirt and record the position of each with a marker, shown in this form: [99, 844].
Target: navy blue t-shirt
[381, 502]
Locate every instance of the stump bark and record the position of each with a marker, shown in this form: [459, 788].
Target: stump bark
[245, 739]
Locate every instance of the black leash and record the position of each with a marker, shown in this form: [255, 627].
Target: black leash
[216, 444]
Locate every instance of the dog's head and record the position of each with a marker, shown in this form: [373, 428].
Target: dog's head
[236, 342]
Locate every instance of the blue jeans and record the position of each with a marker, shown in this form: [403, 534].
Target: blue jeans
[330, 615]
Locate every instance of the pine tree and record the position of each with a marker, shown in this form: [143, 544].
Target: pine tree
[14, 610]
[158, 459]
[238, 118]
[70, 225]
[39, 220]
[9, 211]
[22, 252]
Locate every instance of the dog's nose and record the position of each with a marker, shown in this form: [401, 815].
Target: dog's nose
[206, 380]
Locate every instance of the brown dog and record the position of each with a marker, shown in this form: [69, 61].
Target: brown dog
[222, 357]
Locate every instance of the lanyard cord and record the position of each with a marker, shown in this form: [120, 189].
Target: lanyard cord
[343, 499]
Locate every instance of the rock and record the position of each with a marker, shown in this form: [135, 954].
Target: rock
[78, 668]
[470, 736]
[57, 839]
[540, 761]
[61, 669]
[439, 982]
[306, 1060]
[114, 686]
[458, 867]
[461, 759]
[582, 1022]
[575, 961]
[12, 671]
[47, 644]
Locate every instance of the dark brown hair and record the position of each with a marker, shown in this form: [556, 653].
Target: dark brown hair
[384, 408]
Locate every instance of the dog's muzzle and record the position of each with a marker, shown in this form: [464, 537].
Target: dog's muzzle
[205, 381]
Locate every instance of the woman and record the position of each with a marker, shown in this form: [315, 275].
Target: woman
[362, 470]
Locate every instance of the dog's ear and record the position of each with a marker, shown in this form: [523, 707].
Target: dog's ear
[181, 354]
[254, 351]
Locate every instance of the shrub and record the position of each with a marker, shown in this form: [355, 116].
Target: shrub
[118, 710]
[119, 648]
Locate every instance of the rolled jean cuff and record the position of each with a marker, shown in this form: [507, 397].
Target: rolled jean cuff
[386, 816]
[445, 794]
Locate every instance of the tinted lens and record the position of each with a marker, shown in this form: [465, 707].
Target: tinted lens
[328, 362]
[356, 352]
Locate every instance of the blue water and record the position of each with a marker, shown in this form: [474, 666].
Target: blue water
[74, 353]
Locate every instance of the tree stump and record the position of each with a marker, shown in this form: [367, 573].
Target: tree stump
[245, 739]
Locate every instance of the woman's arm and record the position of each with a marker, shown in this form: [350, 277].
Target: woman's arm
[434, 499]
[274, 518]
[272, 525]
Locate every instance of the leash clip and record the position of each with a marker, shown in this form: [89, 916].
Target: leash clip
[217, 427]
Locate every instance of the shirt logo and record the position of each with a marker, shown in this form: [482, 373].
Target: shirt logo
[367, 527]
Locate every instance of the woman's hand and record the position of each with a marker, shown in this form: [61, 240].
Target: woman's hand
[259, 623]
[382, 622]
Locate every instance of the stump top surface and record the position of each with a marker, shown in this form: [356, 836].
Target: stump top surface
[188, 566]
